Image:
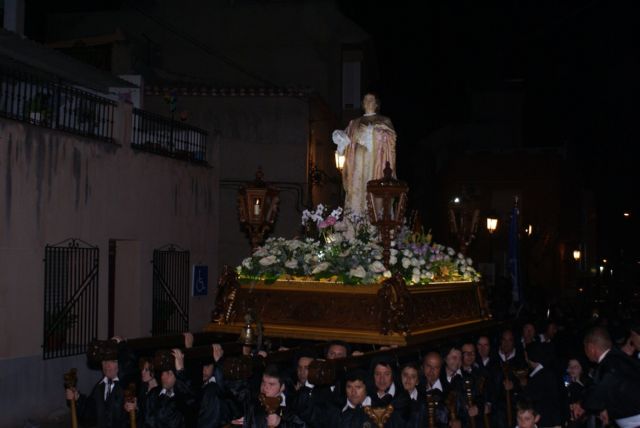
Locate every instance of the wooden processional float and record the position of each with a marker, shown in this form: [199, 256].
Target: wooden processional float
[387, 313]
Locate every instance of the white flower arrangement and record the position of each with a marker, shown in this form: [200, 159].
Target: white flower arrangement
[347, 249]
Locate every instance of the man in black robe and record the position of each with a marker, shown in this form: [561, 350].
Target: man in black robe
[258, 415]
[541, 388]
[104, 407]
[615, 393]
[172, 403]
[214, 409]
[505, 382]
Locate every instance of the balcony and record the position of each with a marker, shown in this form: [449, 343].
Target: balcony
[167, 137]
[41, 100]
[45, 102]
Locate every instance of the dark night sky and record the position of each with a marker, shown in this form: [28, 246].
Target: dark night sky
[577, 62]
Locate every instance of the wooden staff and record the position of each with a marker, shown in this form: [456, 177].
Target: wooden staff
[467, 388]
[505, 372]
[451, 405]
[130, 397]
[432, 403]
[70, 382]
[485, 416]
[270, 404]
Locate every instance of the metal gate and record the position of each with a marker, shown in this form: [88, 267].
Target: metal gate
[170, 290]
[70, 298]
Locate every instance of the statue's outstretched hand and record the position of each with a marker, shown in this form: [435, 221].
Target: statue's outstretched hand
[340, 139]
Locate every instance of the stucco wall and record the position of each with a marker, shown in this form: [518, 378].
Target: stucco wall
[55, 186]
[271, 132]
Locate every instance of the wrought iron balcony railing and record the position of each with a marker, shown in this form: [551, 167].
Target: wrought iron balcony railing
[45, 102]
[163, 136]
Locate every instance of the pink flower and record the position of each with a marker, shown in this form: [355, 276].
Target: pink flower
[329, 221]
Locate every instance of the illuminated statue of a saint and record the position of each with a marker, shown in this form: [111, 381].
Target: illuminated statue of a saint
[368, 143]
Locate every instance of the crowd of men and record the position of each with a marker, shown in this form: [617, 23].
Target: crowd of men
[518, 378]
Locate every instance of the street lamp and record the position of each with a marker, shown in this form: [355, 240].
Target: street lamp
[386, 204]
[463, 221]
[577, 255]
[492, 224]
[258, 207]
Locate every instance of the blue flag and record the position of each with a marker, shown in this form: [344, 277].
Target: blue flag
[514, 257]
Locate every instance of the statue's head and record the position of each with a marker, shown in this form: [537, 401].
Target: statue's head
[370, 103]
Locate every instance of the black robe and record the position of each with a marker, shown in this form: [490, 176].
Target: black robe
[95, 411]
[400, 401]
[339, 417]
[616, 386]
[420, 411]
[498, 395]
[542, 391]
[256, 417]
[214, 410]
[177, 411]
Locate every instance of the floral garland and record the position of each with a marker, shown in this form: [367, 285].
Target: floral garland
[343, 247]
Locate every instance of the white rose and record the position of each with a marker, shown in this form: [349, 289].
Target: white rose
[261, 252]
[415, 279]
[246, 263]
[387, 274]
[291, 263]
[469, 261]
[406, 262]
[393, 260]
[358, 272]
[377, 267]
[320, 268]
[267, 261]
[415, 262]
[294, 244]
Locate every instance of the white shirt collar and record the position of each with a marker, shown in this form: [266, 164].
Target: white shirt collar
[458, 372]
[391, 391]
[309, 385]
[604, 354]
[212, 379]
[414, 394]
[485, 361]
[166, 392]
[283, 402]
[369, 114]
[536, 370]
[436, 385]
[108, 389]
[506, 358]
[366, 402]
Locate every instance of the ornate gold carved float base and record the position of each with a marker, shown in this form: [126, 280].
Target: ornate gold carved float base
[389, 313]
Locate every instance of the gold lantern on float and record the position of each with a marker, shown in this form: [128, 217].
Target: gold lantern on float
[386, 205]
[257, 208]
